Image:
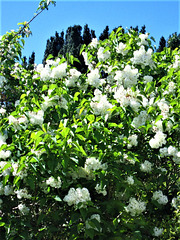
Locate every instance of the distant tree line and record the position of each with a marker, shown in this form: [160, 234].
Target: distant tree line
[71, 42]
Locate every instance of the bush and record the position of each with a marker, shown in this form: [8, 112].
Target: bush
[94, 155]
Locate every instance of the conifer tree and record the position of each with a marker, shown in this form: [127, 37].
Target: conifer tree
[162, 44]
[105, 34]
[87, 37]
[174, 41]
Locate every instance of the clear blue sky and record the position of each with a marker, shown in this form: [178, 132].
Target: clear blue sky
[160, 17]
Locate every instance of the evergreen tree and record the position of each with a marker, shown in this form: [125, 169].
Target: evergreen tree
[31, 61]
[162, 44]
[173, 41]
[93, 35]
[143, 29]
[54, 46]
[122, 29]
[105, 34]
[87, 37]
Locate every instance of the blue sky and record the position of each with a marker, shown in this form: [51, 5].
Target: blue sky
[160, 17]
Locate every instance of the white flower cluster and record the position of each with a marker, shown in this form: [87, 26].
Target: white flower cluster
[126, 97]
[160, 198]
[176, 63]
[5, 154]
[121, 48]
[76, 196]
[128, 77]
[164, 107]
[147, 79]
[140, 120]
[171, 88]
[5, 172]
[135, 207]
[176, 202]
[102, 54]
[89, 226]
[3, 80]
[3, 138]
[36, 118]
[2, 111]
[132, 141]
[158, 231]
[93, 78]
[143, 38]
[99, 189]
[130, 180]
[94, 43]
[23, 193]
[17, 122]
[170, 151]
[22, 173]
[8, 190]
[23, 209]
[100, 105]
[158, 140]
[143, 58]
[93, 164]
[55, 183]
[73, 78]
[58, 71]
[146, 166]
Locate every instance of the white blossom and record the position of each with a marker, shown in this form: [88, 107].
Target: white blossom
[121, 48]
[23, 209]
[130, 180]
[76, 196]
[132, 141]
[55, 183]
[102, 54]
[146, 166]
[101, 190]
[158, 140]
[158, 231]
[22, 193]
[59, 71]
[94, 43]
[160, 198]
[36, 117]
[135, 207]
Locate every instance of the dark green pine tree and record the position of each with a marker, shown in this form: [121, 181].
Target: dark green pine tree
[87, 37]
[122, 29]
[162, 44]
[31, 61]
[93, 35]
[73, 40]
[174, 41]
[143, 29]
[54, 46]
[24, 62]
[105, 34]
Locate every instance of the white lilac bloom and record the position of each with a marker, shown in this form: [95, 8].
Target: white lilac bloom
[163, 152]
[146, 166]
[102, 54]
[93, 78]
[3, 80]
[143, 58]
[5, 154]
[59, 71]
[157, 231]
[172, 151]
[55, 183]
[22, 173]
[94, 43]
[100, 105]
[45, 73]
[23, 209]
[135, 207]
[3, 138]
[176, 158]
[160, 197]
[147, 79]
[23, 193]
[164, 107]
[143, 38]
[101, 190]
[93, 164]
[73, 77]
[130, 180]
[128, 77]
[16, 122]
[7, 171]
[132, 141]
[140, 120]
[121, 48]
[76, 196]
[176, 202]
[127, 97]
[158, 140]
[2, 111]
[176, 63]
[36, 117]
[8, 190]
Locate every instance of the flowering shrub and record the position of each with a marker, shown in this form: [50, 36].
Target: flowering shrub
[94, 155]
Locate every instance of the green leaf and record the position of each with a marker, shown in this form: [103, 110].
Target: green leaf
[158, 118]
[58, 199]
